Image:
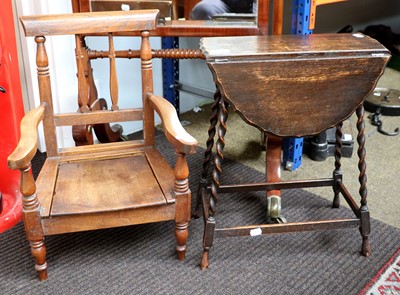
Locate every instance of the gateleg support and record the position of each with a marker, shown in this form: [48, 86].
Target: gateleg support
[337, 173]
[209, 231]
[365, 229]
[202, 185]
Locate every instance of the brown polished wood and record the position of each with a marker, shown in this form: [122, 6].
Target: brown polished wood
[188, 6]
[278, 17]
[164, 6]
[291, 86]
[190, 28]
[177, 27]
[101, 185]
[295, 66]
[87, 94]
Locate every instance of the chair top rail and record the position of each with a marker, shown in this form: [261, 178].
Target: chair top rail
[90, 22]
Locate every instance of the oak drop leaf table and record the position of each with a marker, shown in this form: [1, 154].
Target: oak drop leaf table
[290, 86]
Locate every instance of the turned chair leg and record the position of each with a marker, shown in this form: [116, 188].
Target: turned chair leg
[182, 224]
[181, 235]
[182, 203]
[38, 250]
[33, 226]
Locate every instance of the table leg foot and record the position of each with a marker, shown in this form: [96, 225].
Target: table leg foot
[366, 247]
[204, 259]
[274, 210]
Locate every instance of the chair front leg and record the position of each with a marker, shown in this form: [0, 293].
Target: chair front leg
[33, 226]
[183, 204]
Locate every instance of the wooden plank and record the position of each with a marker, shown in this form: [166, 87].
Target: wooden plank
[197, 28]
[205, 28]
[350, 201]
[163, 172]
[105, 185]
[104, 147]
[86, 23]
[246, 187]
[84, 222]
[264, 229]
[286, 46]
[98, 117]
[100, 155]
[45, 184]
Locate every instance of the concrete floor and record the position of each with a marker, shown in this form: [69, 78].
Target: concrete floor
[383, 156]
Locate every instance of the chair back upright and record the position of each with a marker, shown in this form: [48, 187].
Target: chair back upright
[93, 24]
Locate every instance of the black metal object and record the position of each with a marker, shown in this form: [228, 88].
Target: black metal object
[376, 121]
[387, 100]
[322, 146]
[1, 202]
[383, 101]
[2, 89]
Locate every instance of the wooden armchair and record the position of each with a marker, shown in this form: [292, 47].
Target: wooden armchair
[137, 185]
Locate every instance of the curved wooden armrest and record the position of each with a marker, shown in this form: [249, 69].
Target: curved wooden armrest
[27, 145]
[175, 133]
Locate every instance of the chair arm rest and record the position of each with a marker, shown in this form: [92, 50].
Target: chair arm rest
[27, 145]
[175, 133]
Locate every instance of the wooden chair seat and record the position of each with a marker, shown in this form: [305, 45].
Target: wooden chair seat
[112, 185]
[119, 187]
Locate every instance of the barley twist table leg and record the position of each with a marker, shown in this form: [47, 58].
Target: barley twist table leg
[209, 211]
[337, 173]
[208, 153]
[365, 219]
